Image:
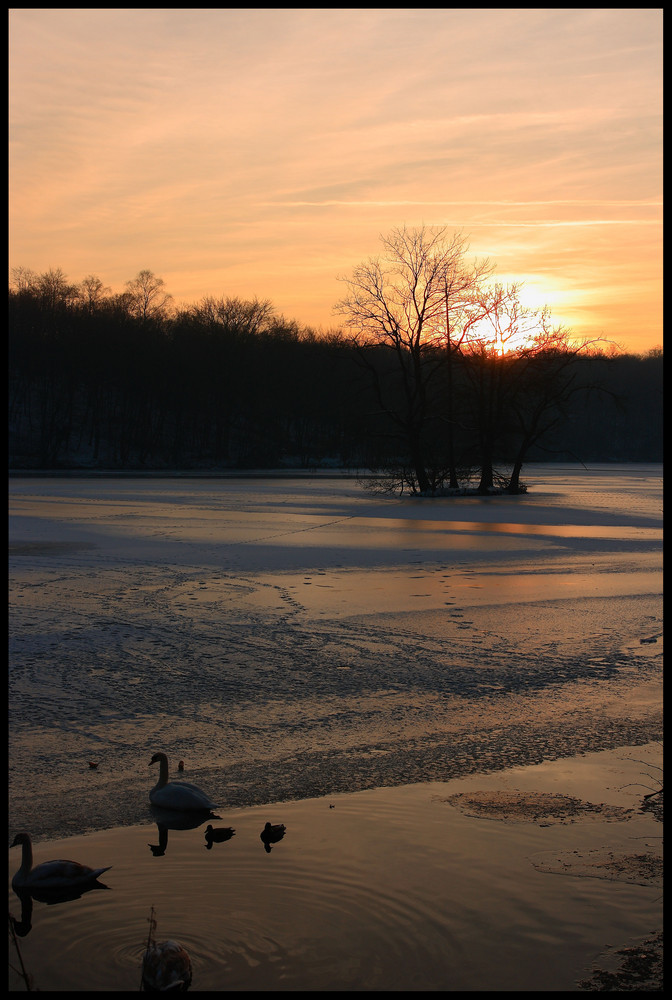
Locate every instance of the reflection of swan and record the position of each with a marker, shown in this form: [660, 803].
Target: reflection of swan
[158, 850]
[23, 926]
[176, 794]
[271, 834]
[50, 897]
[217, 836]
[174, 819]
[50, 875]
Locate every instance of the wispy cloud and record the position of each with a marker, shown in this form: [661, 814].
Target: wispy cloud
[466, 204]
[262, 151]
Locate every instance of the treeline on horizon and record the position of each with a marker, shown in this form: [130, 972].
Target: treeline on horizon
[127, 382]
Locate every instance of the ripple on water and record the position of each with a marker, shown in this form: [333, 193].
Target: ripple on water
[249, 920]
[383, 890]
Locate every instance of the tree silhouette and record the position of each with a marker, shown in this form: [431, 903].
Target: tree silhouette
[146, 297]
[402, 301]
[228, 383]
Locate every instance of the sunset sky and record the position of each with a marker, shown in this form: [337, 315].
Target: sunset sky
[261, 152]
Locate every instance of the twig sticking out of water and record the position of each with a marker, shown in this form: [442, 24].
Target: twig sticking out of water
[151, 920]
[28, 979]
[656, 807]
[645, 774]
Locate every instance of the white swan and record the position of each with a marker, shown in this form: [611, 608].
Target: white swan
[178, 795]
[49, 874]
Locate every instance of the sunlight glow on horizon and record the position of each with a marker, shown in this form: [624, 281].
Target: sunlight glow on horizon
[261, 153]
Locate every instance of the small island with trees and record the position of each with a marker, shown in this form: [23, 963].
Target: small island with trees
[440, 382]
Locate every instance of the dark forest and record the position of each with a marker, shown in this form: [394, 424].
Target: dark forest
[125, 382]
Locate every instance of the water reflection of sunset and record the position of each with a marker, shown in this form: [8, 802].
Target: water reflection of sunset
[345, 593]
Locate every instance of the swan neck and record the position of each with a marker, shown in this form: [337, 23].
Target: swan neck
[163, 772]
[26, 857]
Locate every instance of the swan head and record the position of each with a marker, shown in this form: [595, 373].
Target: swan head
[21, 838]
[158, 758]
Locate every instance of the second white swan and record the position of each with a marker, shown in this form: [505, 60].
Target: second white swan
[50, 875]
[178, 795]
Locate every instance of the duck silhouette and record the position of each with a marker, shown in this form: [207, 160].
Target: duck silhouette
[271, 834]
[217, 835]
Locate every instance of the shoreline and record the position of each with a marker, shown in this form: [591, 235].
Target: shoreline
[92, 805]
[355, 474]
[561, 850]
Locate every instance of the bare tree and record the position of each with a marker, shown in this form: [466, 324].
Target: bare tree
[234, 314]
[403, 301]
[466, 306]
[23, 279]
[522, 371]
[147, 298]
[54, 289]
[92, 291]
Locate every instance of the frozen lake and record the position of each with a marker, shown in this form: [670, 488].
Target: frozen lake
[295, 637]
[308, 649]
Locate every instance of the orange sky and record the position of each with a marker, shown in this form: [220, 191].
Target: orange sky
[261, 152]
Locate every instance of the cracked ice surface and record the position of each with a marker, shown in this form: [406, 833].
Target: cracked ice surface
[294, 637]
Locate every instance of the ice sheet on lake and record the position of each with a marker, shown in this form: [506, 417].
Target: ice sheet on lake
[293, 637]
